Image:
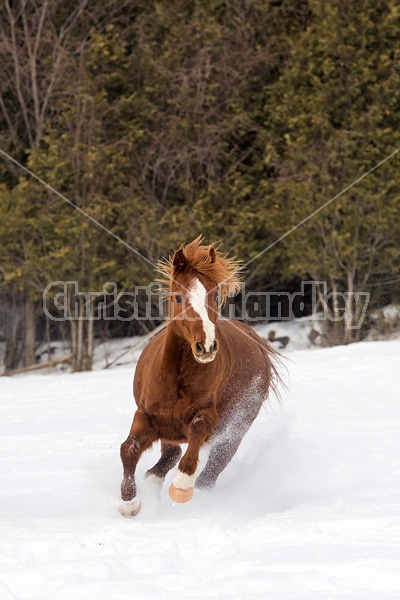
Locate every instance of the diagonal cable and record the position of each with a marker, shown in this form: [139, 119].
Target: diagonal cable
[282, 237]
[78, 208]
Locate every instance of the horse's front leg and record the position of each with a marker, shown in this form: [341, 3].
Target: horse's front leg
[141, 437]
[199, 431]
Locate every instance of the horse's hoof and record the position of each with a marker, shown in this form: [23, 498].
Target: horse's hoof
[129, 508]
[178, 495]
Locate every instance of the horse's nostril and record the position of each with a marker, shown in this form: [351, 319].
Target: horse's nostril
[214, 346]
[199, 348]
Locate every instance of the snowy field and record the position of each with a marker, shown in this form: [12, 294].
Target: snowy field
[308, 509]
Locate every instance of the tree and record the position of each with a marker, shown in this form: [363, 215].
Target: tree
[335, 119]
[35, 38]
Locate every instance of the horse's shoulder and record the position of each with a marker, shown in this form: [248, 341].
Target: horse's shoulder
[147, 372]
[153, 347]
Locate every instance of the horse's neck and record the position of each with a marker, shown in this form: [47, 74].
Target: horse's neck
[174, 349]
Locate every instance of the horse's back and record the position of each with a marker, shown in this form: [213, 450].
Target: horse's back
[247, 351]
[249, 368]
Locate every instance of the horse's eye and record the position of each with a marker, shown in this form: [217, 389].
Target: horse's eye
[216, 297]
[178, 299]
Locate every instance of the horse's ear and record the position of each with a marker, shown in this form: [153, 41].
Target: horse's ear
[179, 261]
[212, 254]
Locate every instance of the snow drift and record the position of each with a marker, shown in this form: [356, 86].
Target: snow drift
[308, 508]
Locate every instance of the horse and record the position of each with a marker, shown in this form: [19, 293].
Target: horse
[202, 380]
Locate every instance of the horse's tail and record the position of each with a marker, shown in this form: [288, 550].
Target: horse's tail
[275, 359]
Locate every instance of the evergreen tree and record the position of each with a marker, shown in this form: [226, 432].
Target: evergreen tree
[334, 119]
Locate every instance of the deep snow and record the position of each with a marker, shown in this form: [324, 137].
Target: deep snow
[309, 508]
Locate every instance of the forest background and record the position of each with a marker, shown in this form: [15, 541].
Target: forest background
[162, 120]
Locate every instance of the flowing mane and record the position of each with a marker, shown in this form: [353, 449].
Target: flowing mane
[223, 271]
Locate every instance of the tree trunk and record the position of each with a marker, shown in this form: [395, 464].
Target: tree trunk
[348, 335]
[90, 337]
[73, 329]
[79, 339]
[48, 338]
[12, 331]
[82, 335]
[29, 332]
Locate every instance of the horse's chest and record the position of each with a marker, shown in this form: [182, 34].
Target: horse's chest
[172, 417]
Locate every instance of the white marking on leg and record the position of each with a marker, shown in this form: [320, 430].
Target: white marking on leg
[198, 298]
[129, 508]
[182, 481]
[155, 480]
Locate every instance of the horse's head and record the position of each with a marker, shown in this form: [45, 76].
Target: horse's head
[199, 278]
[194, 307]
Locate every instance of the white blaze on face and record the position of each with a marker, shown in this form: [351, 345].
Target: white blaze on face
[198, 300]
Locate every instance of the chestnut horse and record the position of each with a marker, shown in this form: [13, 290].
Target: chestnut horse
[201, 380]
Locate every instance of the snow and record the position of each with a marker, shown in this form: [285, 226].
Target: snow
[390, 312]
[309, 508]
[297, 330]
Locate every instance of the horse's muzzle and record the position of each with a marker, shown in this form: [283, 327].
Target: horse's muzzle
[200, 353]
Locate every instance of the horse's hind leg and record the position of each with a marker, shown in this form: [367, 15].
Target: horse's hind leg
[222, 452]
[227, 438]
[224, 445]
[170, 454]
